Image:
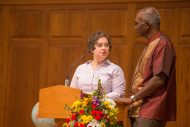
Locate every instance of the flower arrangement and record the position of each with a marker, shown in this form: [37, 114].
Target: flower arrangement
[93, 111]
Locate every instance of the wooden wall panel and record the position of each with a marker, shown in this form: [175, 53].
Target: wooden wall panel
[67, 26]
[116, 54]
[183, 86]
[106, 20]
[61, 59]
[81, 1]
[185, 26]
[26, 23]
[167, 24]
[1, 24]
[23, 83]
[67, 23]
[2, 92]
[24, 64]
[2, 88]
[183, 69]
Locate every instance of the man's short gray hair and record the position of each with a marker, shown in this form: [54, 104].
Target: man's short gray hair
[152, 16]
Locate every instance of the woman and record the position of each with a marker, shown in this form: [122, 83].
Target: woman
[111, 75]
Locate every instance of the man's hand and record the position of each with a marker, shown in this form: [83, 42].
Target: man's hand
[124, 101]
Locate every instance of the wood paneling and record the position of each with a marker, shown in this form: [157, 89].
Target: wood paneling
[1, 24]
[106, 20]
[26, 23]
[185, 26]
[79, 1]
[61, 58]
[117, 54]
[2, 88]
[183, 87]
[23, 83]
[183, 69]
[167, 24]
[67, 23]
[40, 42]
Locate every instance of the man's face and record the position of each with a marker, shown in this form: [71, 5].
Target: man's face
[141, 25]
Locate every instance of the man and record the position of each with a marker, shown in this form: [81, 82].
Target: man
[153, 98]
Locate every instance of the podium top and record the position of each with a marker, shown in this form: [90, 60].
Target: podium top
[53, 99]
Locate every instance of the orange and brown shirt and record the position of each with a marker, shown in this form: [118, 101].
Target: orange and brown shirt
[157, 57]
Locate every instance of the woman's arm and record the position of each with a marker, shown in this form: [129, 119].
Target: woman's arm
[118, 84]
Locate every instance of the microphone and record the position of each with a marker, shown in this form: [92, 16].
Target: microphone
[67, 80]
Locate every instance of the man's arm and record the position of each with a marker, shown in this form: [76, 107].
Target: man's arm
[150, 86]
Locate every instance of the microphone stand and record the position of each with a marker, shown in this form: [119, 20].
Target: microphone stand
[67, 80]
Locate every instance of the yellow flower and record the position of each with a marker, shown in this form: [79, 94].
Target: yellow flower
[106, 103]
[89, 118]
[109, 107]
[85, 119]
[85, 102]
[76, 104]
[102, 124]
[65, 125]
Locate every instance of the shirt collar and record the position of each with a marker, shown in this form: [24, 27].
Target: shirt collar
[156, 35]
[108, 62]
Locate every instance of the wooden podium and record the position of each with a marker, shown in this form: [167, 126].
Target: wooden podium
[122, 116]
[53, 99]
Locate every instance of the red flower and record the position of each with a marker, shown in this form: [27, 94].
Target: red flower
[99, 112]
[76, 124]
[93, 112]
[97, 118]
[73, 117]
[82, 125]
[68, 120]
[81, 112]
[93, 106]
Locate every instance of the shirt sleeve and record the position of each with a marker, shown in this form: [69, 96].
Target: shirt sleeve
[118, 84]
[74, 81]
[163, 58]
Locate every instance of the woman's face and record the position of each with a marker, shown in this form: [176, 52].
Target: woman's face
[101, 50]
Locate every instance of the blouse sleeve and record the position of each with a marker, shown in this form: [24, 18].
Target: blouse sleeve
[74, 81]
[118, 84]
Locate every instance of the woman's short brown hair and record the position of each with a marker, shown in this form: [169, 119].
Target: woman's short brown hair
[94, 37]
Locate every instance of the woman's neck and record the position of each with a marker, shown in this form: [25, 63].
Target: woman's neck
[96, 64]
